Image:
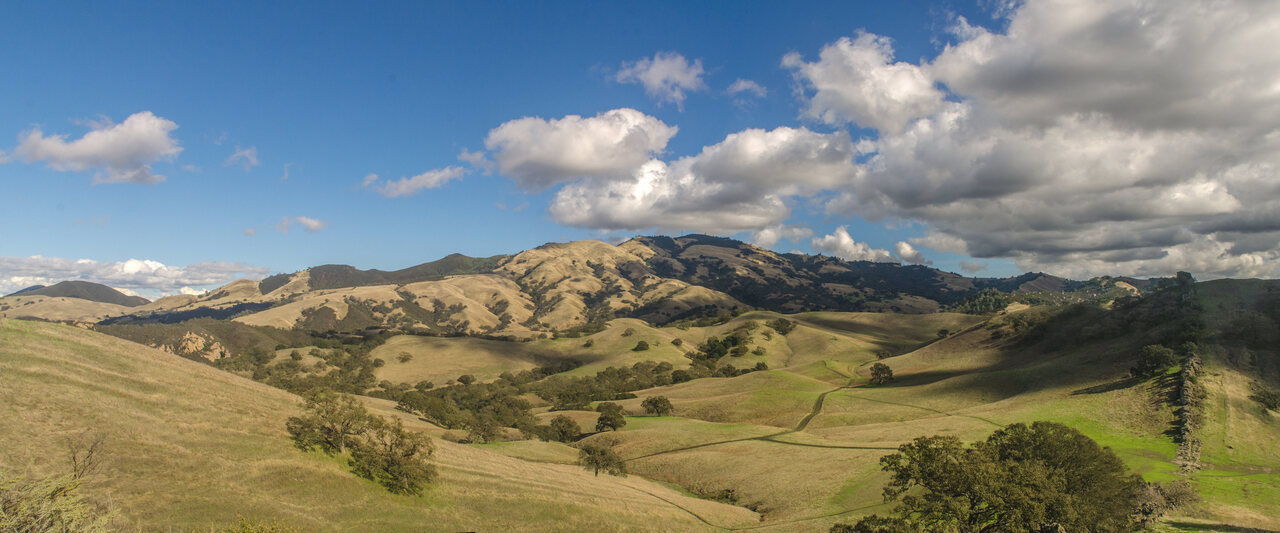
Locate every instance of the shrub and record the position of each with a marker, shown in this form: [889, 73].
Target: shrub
[677, 341]
[404, 357]
[641, 346]
[629, 332]
[782, 325]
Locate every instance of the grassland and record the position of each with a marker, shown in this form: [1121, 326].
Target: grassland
[799, 443]
[190, 447]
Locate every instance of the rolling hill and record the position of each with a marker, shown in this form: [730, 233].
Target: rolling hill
[84, 290]
[192, 448]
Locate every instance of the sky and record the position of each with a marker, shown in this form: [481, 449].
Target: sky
[175, 146]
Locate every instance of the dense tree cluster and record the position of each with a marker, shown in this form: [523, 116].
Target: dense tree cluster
[1022, 478]
[379, 450]
[881, 374]
[657, 405]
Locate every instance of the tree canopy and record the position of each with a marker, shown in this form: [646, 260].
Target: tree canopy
[1022, 478]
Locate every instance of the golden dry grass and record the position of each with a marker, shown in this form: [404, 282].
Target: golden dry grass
[190, 447]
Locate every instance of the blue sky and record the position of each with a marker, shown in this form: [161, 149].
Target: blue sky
[329, 93]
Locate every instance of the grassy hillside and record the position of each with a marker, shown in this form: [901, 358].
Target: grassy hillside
[190, 447]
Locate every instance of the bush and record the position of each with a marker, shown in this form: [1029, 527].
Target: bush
[782, 325]
[641, 346]
[677, 341]
[629, 332]
[1269, 398]
[404, 357]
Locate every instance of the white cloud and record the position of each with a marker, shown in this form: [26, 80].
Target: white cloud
[250, 232]
[665, 77]
[842, 245]
[478, 160]
[430, 179]
[909, 254]
[739, 184]
[856, 81]
[121, 153]
[247, 158]
[310, 224]
[1091, 137]
[368, 180]
[539, 153]
[767, 237]
[144, 276]
[747, 86]
[285, 177]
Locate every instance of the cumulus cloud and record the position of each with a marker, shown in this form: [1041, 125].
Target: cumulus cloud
[1089, 137]
[739, 184]
[909, 254]
[430, 179]
[120, 153]
[665, 77]
[767, 237]
[368, 180]
[857, 81]
[840, 244]
[539, 153]
[246, 158]
[144, 276]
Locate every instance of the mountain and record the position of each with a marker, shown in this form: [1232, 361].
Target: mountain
[559, 287]
[26, 290]
[84, 290]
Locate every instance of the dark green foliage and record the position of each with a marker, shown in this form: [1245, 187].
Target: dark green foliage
[271, 283]
[393, 457]
[881, 374]
[597, 456]
[1268, 397]
[611, 418]
[331, 423]
[677, 342]
[1022, 478]
[613, 383]
[657, 405]
[1152, 360]
[641, 346]
[564, 429]
[466, 379]
[781, 325]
